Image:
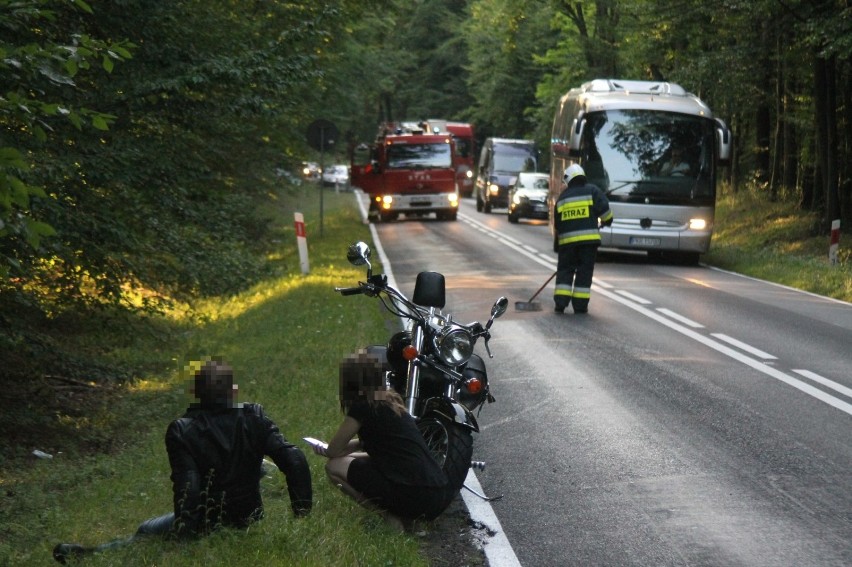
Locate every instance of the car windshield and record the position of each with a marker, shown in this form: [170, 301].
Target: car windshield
[635, 155]
[419, 156]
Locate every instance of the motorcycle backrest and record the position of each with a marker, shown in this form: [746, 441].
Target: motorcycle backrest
[430, 290]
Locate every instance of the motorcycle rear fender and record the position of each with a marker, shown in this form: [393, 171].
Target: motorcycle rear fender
[451, 410]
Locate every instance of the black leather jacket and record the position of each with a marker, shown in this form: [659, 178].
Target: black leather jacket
[216, 455]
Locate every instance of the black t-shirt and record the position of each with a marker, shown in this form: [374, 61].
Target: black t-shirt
[396, 446]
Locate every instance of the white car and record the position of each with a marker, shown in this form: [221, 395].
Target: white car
[528, 197]
[336, 175]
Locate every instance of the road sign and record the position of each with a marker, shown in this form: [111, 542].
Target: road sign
[322, 135]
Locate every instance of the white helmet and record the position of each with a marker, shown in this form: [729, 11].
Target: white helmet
[572, 171]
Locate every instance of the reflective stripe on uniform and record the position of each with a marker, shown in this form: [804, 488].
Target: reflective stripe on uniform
[591, 235]
[582, 292]
[563, 290]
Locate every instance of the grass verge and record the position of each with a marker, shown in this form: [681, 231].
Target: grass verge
[284, 338]
[777, 242]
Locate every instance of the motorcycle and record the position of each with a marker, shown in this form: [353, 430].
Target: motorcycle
[431, 363]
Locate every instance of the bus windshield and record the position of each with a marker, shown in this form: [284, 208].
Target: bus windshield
[419, 156]
[642, 155]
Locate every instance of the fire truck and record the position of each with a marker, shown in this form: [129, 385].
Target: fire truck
[407, 171]
[465, 153]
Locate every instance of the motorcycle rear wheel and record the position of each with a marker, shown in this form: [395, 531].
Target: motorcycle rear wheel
[451, 446]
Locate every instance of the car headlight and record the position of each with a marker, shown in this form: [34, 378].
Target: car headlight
[493, 188]
[453, 345]
[697, 224]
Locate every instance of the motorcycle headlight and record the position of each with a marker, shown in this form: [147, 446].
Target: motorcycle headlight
[453, 346]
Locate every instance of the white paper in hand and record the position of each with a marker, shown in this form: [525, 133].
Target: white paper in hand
[315, 442]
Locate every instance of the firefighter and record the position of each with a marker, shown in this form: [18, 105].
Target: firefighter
[578, 214]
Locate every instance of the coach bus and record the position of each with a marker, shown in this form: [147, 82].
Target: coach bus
[654, 149]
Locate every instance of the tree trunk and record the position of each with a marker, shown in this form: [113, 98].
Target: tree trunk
[777, 138]
[832, 195]
[845, 143]
[817, 201]
[763, 114]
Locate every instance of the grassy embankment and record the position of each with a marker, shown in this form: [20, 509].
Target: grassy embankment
[775, 242]
[284, 336]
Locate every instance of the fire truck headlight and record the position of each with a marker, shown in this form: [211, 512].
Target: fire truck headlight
[387, 201]
[469, 174]
[697, 224]
[453, 198]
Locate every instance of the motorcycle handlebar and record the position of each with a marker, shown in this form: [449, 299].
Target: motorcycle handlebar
[349, 290]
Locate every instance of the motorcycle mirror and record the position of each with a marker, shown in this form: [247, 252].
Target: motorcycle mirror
[500, 307]
[359, 254]
[497, 310]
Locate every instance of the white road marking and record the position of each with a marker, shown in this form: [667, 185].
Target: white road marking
[635, 298]
[681, 318]
[497, 548]
[744, 346]
[825, 382]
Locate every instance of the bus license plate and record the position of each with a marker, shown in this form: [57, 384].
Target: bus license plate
[421, 203]
[642, 241]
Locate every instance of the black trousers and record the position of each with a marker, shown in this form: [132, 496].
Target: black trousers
[574, 272]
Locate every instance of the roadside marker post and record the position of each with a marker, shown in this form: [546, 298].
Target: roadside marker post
[302, 242]
[835, 242]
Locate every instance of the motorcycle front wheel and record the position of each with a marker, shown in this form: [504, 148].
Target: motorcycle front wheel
[451, 446]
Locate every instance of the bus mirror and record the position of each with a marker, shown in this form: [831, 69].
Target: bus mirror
[577, 128]
[724, 140]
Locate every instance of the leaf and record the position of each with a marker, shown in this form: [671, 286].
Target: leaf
[35, 230]
[108, 64]
[71, 67]
[100, 122]
[83, 6]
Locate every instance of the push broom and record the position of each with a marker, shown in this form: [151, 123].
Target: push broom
[532, 305]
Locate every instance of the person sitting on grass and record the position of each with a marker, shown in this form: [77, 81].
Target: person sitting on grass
[388, 466]
[216, 455]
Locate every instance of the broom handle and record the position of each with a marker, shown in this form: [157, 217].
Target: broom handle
[542, 287]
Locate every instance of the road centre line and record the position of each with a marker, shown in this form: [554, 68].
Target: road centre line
[635, 298]
[743, 346]
[758, 365]
[825, 382]
[681, 318]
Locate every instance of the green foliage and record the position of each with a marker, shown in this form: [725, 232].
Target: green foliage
[503, 38]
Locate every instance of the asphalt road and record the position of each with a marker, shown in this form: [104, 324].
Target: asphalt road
[693, 417]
